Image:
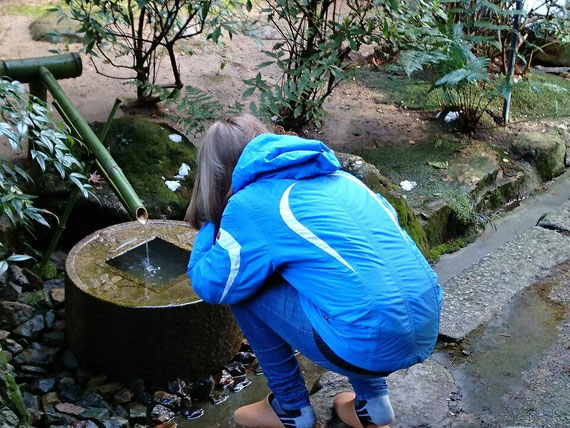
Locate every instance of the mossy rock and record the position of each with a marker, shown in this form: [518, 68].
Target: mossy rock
[148, 157]
[547, 152]
[13, 411]
[49, 28]
[370, 176]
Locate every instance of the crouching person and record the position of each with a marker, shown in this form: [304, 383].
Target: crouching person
[308, 258]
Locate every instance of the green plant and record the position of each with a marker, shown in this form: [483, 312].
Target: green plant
[317, 37]
[145, 30]
[21, 117]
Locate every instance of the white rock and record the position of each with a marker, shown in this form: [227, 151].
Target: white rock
[408, 185]
[175, 137]
[172, 184]
[183, 171]
[451, 116]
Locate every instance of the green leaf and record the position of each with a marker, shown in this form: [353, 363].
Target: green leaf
[248, 92]
[438, 165]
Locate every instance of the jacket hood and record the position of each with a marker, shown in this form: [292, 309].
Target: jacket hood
[282, 156]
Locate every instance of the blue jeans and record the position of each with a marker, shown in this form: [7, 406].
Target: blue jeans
[275, 325]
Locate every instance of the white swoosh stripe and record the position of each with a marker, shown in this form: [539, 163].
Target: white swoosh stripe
[388, 211]
[228, 243]
[302, 231]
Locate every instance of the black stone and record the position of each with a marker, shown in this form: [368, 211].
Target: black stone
[12, 346]
[14, 314]
[137, 412]
[49, 319]
[180, 388]
[169, 400]
[236, 369]
[202, 389]
[161, 414]
[54, 283]
[89, 399]
[97, 413]
[69, 360]
[31, 328]
[245, 357]
[18, 277]
[120, 412]
[36, 357]
[43, 386]
[54, 338]
[32, 402]
[10, 291]
[115, 422]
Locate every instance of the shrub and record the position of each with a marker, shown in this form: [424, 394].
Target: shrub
[317, 37]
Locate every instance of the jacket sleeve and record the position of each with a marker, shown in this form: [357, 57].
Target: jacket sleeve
[234, 265]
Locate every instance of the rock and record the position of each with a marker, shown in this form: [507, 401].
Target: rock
[50, 399]
[35, 281]
[546, 151]
[370, 176]
[8, 418]
[34, 357]
[50, 28]
[137, 412]
[12, 346]
[4, 334]
[69, 409]
[83, 375]
[10, 291]
[43, 386]
[34, 372]
[54, 417]
[54, 283]
[245, 357]
[13, 314]
[121, 412]
[96, 413]
[38, 299]
[82, 424]
[57, 295]
[13, 411]
[68, 388]
[107, 390]
[58, 259]
[558, 220]
[224, 380]
[32, 403]
[179, 388]
[123, 396]
[202, 389]
[54, 338]
[95, 382]
[115, 422]
[90, 399]
[161, 414]
[49, 319]
[31, 328]
[69, 360]
[169, 400]
[323, 393]
[18, 277]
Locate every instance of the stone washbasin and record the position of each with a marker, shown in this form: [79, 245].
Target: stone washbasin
[155, 328]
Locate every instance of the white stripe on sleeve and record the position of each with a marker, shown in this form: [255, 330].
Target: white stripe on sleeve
[228, 243]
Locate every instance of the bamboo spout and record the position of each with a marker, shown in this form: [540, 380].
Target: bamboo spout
[109, 167]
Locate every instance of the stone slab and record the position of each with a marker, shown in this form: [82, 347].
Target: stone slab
[558, 219]
[419, 395]
[477, 294]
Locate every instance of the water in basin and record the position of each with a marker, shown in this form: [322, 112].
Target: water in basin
[156, 262]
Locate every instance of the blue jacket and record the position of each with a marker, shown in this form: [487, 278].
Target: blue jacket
[362, 282]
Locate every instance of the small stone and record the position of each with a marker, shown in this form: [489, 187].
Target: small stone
[115, 422]
[54, 283]
[96, 413]
[82, 424]
[10, 291]
[4, 334]
[170, 424]
[13, 314]
[166, 399]
[8, 355]
[69, 409]
[202, 389]
[50, 399]
[58, 259]
[68, 389]
[120, 412]
[57, 295]
[12, 346]
[161, 414]
[96, 382]
[31, 401]
[236, 369]
[33, 370]
[90, 399]
[137, 412]
[35, 281]
[31, 328]
[53, 417]
[18, 277]
[179, 387]
[242, 385]
[107, 390]
[54, 338]
[43, 386]
[35, 357]
[123, 396]
[465, 352]
[69, 360]
[190, 415]
[83, 375]
[245, 357]
[225, 380]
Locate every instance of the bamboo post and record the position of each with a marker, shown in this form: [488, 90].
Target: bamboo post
[512, 61]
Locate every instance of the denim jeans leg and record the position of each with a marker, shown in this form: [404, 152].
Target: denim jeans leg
[276, 357]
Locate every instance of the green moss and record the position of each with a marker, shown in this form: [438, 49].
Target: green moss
[34, 298]
[47, 273]
[409, 163]
[10, 395]
[450, 247]
[146, 154]
[28, 10]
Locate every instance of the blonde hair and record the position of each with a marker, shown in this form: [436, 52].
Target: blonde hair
[217, 158]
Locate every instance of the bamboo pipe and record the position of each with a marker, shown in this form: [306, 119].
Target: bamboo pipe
[108, 165]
